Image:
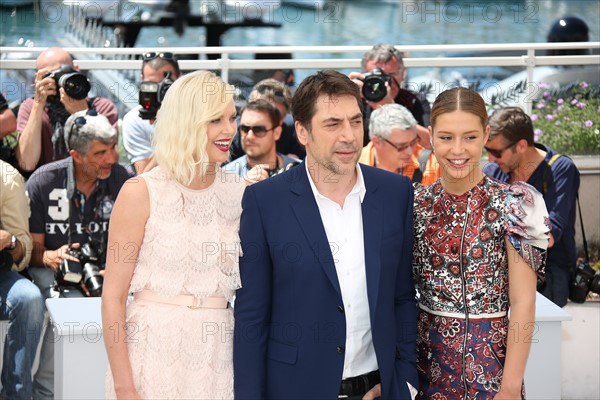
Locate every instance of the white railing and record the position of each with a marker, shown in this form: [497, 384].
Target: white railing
[23, 58]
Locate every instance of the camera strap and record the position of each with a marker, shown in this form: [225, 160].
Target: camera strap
[545, 189]
[70, 193]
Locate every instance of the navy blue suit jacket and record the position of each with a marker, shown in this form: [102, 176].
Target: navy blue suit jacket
[289, 315]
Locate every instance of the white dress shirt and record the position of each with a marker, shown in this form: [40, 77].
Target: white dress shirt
[344, 229]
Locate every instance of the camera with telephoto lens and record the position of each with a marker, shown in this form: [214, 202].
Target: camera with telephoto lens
[74, 83]
[152, 95]
[585, 280]
[374, 88]
[86, 270]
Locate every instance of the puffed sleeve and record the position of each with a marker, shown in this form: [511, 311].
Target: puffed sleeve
[528, 224]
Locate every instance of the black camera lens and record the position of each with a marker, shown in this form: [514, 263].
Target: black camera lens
[374, 88]
[75, 85]
[92, 279]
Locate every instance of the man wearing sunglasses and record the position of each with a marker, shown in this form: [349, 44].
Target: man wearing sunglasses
[71, 201]
[388, 59]
[395, 147]
[280, 95]
[41, 119]
[259, 131]
[516, 157]
[137, 132]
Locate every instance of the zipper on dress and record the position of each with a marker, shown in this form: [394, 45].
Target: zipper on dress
[464, 295]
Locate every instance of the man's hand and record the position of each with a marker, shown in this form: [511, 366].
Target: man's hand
[53, 258]
[44, 87]
[258, 173]
[374, 393]
[71, 105]
[358, 78]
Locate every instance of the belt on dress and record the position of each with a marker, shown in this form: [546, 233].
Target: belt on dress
[187, 300]
[359, 385]
[456, 315]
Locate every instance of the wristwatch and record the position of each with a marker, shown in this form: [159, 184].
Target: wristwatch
[13, 243]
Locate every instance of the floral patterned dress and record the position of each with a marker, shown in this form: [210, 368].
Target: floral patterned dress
[460, 266]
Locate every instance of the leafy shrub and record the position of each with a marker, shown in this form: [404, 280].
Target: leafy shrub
[568, 118]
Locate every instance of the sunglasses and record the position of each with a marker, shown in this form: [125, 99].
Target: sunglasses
[79, 123]
[152, 55]
[258, 130]
[497, 153]
[403, 147]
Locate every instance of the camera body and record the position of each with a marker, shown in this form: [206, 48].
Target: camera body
[86, 270]
[277, 171]
[584, 280]
[374, 88]
[152, 94]
[74, 83]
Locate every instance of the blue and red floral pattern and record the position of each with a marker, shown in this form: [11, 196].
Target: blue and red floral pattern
[460, 266]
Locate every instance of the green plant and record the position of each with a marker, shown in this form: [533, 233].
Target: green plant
[568, 118]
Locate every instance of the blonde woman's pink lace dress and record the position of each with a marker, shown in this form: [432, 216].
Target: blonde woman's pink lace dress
[190, 247]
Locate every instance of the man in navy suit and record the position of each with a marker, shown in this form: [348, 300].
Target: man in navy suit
[327, 306]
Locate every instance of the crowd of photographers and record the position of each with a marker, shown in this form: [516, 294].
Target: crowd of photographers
[67, 148]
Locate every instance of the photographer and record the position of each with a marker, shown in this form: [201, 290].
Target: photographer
[138, 131]
[20, 301]
[515, 156]
[71, 202]
[41, 119]
[260, 128]
[384, 61]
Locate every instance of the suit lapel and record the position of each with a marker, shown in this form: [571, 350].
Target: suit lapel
[373, 220]
[307, 212]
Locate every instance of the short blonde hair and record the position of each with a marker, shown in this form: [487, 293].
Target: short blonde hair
[180, 134]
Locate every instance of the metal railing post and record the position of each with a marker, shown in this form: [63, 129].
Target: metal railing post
[530, 89]
[225, 66]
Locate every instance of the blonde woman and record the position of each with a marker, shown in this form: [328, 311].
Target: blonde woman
[173, 243]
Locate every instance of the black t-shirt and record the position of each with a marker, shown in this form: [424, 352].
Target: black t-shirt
[3, 103]
[53, 214]
[416, 103]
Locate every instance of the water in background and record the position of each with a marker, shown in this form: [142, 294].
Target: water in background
[350, 22]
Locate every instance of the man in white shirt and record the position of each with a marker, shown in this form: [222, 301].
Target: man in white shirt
[327, 306]
[137, 132]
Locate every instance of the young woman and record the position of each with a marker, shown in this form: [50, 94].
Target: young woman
[478, 246]
[173, 243]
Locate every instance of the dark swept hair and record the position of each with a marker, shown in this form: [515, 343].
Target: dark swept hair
[329, 83]
[462, 99]
[513, 124]
[157, 63]
[265, 107]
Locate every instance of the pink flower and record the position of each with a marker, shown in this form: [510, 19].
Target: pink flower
[560, 101]
[536, 134]
[581, 105]
[534, 117]
[549, 117]
[588, 123]
[584, 85]
[574, 101]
